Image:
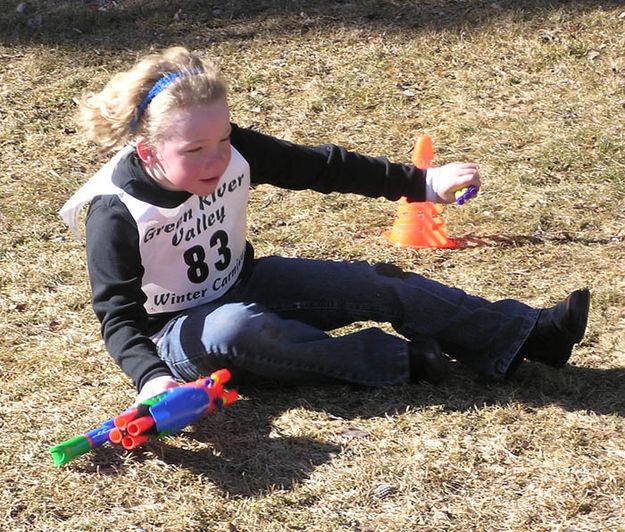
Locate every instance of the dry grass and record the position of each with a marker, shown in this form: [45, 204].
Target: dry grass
[535, 92]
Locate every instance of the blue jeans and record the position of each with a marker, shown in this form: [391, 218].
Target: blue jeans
[272, 326]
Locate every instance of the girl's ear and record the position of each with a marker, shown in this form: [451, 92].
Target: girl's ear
[145, 151]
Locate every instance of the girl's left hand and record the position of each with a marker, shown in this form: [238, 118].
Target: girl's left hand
[444, 181]
[154, 387]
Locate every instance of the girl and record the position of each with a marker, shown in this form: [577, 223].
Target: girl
[178, 291]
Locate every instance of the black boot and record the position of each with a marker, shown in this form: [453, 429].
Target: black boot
[427, 362]
[557, 329]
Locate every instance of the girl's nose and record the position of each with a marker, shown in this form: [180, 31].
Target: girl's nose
[219, 157]
[213, 158]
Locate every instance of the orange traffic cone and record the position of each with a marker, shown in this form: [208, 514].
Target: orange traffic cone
[420, 224]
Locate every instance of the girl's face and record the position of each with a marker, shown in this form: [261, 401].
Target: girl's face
[195, 149]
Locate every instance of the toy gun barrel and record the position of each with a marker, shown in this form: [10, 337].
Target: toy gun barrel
[140, 425]
[121, 421]
[132, 442]
[78, 445]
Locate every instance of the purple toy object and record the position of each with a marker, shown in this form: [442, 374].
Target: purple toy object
[465, 194]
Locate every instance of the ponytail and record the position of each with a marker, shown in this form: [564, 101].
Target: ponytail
[135, 102]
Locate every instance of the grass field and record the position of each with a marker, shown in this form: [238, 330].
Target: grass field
[534, 91]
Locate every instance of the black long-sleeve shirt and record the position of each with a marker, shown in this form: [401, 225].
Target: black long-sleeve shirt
[114, 260]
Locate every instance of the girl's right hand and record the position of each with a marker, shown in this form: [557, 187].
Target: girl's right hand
[155, 386]
[443, 182]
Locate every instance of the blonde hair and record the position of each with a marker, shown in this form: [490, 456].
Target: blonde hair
[106, 117]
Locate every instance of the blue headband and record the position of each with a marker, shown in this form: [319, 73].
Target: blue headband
[157, 88]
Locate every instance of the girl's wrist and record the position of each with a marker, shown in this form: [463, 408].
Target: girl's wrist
[430, 192]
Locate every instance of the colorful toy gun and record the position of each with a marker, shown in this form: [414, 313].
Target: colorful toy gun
[154, 418]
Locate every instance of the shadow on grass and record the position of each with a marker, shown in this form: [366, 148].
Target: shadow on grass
[595, 390]
[136, 23]
[247, 455]
[470, 241]
[574, 388]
